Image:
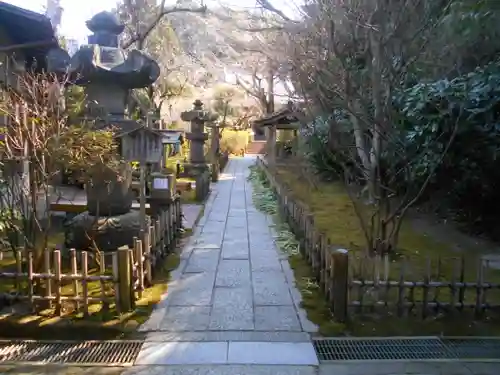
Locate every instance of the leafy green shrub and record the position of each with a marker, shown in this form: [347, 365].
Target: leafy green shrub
[469, 176]
[315, 146]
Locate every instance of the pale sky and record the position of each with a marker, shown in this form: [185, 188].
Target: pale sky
[76, 12]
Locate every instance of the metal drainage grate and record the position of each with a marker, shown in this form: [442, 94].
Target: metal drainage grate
[474, 348]
[381, 349]
[120, 353]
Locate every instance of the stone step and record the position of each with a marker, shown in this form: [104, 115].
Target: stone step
[227, 353]
[193, 336]
[221, 370]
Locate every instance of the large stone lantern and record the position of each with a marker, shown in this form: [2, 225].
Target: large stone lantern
[108, 73]
[197, 117]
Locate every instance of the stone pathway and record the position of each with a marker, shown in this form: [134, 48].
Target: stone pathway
[232, 300]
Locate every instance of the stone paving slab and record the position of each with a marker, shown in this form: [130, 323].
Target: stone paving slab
[222, 352]
[221, 370]
[233, 273]
[264, 336]
[277, 318]
[233, 299]
[191, 213]
[183, 353]
[272, 353]
[232, 309]
[186, 318]
[203, 260]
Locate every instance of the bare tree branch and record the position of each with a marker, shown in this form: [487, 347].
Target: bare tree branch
[163, 11]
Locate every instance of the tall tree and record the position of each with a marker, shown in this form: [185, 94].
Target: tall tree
[148, 28]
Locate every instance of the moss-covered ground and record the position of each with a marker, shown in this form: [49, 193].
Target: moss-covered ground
[101, 323]
[334, 215]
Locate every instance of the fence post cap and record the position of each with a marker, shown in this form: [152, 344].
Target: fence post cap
[124, 247]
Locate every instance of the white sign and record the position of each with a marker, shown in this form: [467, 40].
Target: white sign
[160, 183]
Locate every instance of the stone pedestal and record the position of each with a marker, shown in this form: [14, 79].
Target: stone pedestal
[109, 192]
[108, 232]
[109, 220]
[197, 151]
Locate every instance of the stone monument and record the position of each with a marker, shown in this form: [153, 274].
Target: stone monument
[107, 74]
[198, 167]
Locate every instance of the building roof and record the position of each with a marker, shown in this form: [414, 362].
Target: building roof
[170, 136]
[287, 118]
[24, 26]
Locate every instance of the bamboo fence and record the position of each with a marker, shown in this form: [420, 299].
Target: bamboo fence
[356, 284]
[81, 278]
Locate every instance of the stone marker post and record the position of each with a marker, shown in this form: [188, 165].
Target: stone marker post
[215, 149]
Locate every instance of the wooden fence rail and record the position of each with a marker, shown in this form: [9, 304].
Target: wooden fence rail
[355, 284]
[74, 280]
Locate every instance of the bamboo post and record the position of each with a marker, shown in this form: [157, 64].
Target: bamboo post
[401, 289]
[142, 197]
[47, 271]
[31, 286]
[116, 282]
[340, 260]
[479, 289]
[152, 247]
[132, 284]
[140, 267]
[74, 272]
[85, 286]
[124, 279]
[19, 270]
[57, 281]
[453, 286]
[426, 288]
[461, 292]
[161, 237]
[170, 224]
[148, 279]
[102, 272]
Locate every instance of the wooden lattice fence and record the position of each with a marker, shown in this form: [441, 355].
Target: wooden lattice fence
[356, 284]
[75, 280]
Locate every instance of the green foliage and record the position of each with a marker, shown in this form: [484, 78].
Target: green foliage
[466, 36]
[85, 148]
[265, 200]
[470, 172]
[467, 179]
[314, 145]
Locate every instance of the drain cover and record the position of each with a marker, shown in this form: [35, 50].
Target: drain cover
[352, 349]
[121, 353]
[381, 349]
[474, 348]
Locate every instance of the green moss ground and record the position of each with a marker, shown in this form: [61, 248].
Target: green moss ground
[100, 324]
[334, 215]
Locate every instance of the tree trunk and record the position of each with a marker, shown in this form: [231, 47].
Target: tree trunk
[270, 89]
